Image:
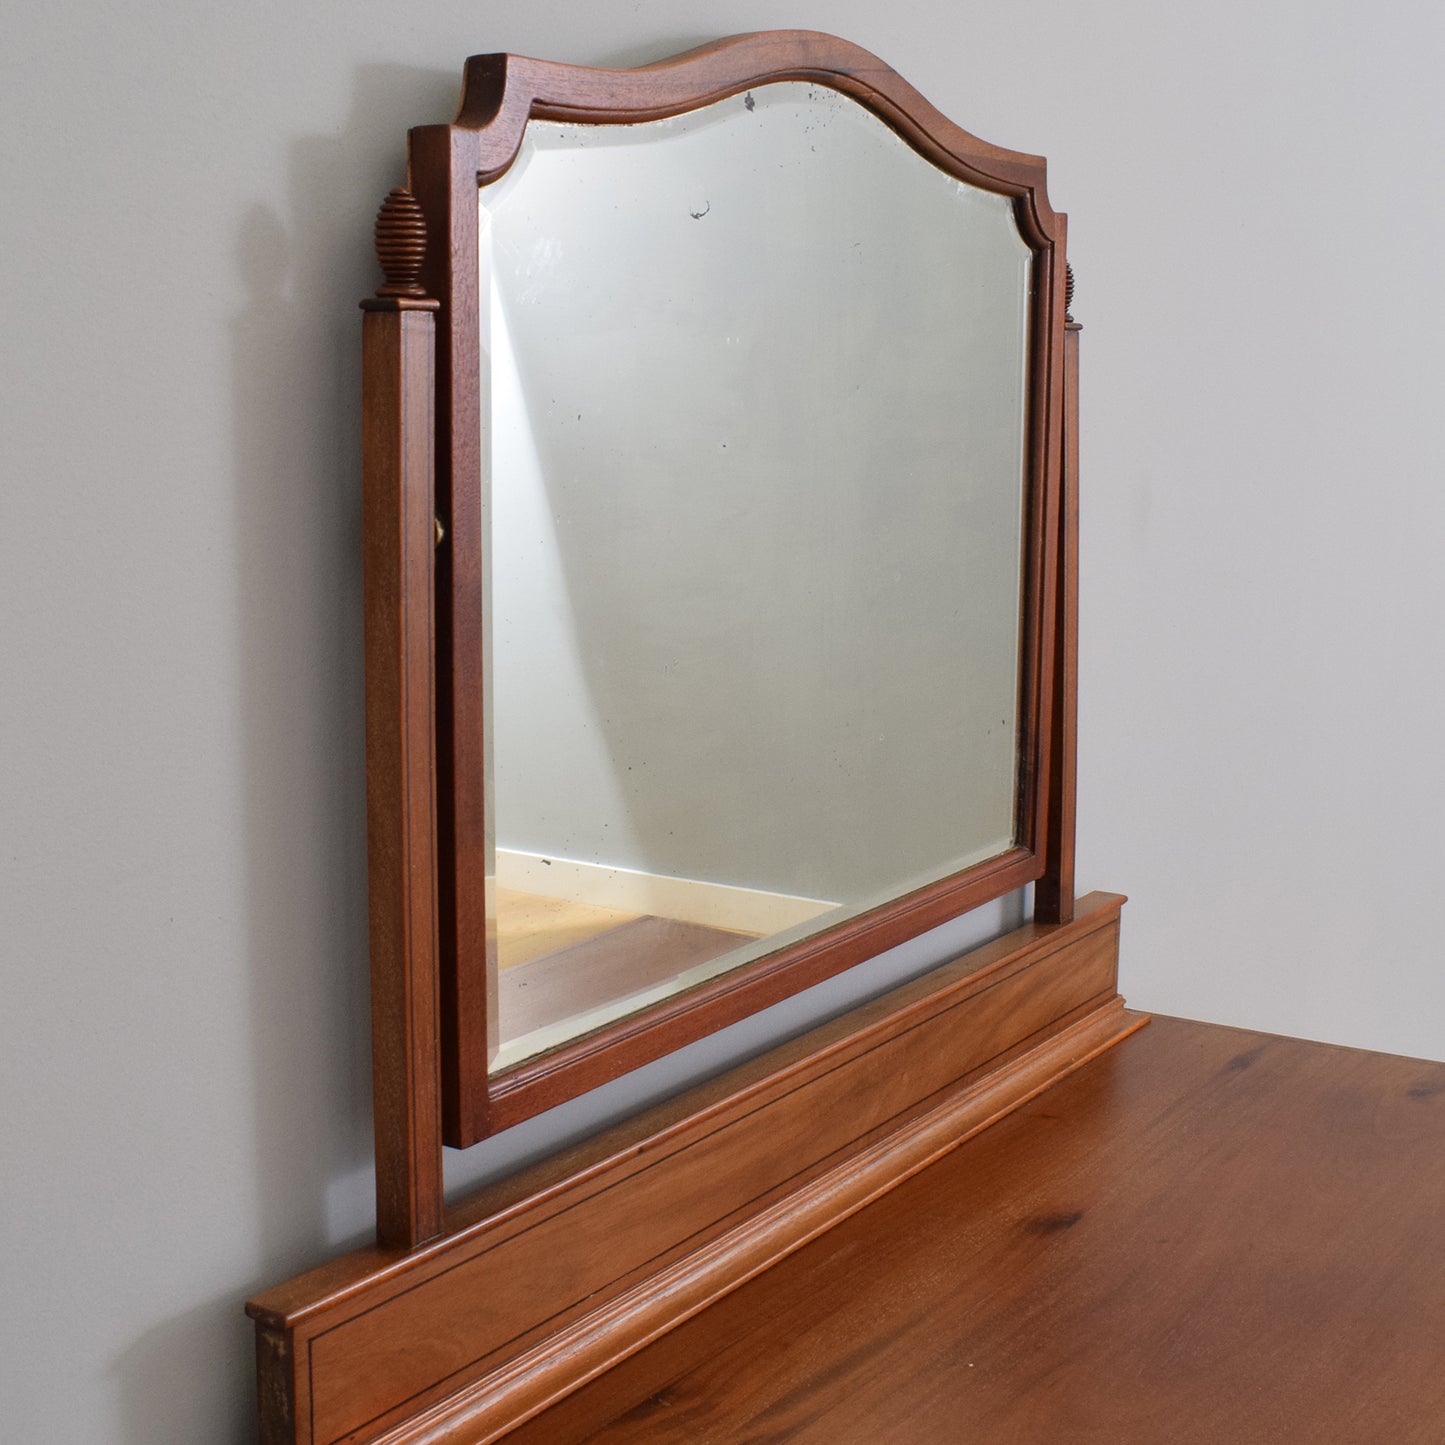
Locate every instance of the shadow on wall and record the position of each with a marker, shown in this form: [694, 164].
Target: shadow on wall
[306, 260]
[157, 1373]
[296, 392]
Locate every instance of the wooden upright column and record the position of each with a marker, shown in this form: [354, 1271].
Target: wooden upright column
[399, 541]
[1054, 892]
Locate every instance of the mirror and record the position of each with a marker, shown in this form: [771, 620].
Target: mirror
[736, 384]
[755, 465]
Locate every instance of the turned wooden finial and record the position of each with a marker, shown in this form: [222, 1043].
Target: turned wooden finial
[400, 244]
[1068, 290]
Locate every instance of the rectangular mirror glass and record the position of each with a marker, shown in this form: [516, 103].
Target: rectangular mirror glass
[754, 469]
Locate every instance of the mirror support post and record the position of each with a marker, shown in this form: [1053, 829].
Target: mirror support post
[399, 542]
[1054, 892]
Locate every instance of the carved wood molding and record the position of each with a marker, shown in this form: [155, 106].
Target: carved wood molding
[542, 1282]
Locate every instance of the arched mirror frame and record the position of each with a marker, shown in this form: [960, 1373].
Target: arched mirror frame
[433, 993]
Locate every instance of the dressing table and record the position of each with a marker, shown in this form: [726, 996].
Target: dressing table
[720, 512]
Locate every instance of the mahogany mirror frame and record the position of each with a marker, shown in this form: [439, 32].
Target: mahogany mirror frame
[433, 992]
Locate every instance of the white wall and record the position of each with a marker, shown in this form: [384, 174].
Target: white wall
[187, 196]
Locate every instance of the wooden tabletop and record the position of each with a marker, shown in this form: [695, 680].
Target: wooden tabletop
[1206, 1235]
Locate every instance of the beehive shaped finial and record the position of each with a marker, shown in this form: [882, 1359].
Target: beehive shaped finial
[401, 244]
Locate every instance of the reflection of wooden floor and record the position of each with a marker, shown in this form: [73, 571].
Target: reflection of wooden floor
[558, 959]
[529, 925]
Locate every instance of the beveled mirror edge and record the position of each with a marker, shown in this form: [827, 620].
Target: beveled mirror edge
[501, 94]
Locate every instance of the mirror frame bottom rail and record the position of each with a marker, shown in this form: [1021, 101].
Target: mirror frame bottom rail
[540, 1283]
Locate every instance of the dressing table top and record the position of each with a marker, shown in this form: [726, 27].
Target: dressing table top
[1205, 1235]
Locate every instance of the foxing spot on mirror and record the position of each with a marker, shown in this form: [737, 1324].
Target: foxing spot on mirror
[755, 465]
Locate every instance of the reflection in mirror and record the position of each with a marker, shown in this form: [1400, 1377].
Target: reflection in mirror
[755, 460]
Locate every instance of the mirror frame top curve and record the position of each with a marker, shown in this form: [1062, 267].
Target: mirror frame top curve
[444, 893]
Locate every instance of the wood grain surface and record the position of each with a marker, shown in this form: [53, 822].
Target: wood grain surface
[549, 1278]
[398, 541]
[1054, 894]
[1206, 1235]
